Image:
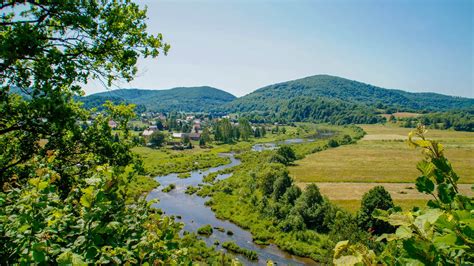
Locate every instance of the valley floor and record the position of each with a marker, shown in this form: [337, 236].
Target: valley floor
[382, 157]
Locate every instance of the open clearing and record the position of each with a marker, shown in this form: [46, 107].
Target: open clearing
[381, 157]
[401, 115]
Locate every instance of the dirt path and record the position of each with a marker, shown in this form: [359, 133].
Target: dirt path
[355, 191]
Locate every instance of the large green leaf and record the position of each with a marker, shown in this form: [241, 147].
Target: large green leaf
[424, 184]
[403, 232]
[446, 193]
[87, 196]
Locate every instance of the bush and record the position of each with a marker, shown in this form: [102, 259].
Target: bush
[333, 143]
[184, 175]
[285, 155]
[169, 188]
[376, 198]
[250, 254]
[157, 139]
[205, 230]
[190, 190]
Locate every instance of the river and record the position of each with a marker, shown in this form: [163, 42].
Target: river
[195, 214]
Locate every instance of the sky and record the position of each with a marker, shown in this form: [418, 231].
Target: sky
[240, 46]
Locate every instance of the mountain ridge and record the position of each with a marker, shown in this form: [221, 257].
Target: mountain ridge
[324, 93]
[326, 86]
[188, 99]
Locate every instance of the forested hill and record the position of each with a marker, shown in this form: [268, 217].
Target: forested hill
[187, 99]
[349, 91]
[337, 100]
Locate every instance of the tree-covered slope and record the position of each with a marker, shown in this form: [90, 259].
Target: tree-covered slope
[274, 97]
[187, 99]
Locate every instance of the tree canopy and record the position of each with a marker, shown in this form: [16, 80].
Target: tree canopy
[64, 173]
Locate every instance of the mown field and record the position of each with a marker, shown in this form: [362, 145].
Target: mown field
[382, 156]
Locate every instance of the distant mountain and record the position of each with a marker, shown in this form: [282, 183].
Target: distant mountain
[325, 98]
[332, 87]
[186, 99]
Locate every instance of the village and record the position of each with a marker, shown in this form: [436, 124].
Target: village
[180, 131]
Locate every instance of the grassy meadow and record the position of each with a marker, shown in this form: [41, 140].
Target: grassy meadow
[381, 157]
[165, 161]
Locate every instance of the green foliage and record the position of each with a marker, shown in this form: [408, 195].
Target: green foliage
[376, 198]
[250, 254]
[268, 175]
[210, 177]
[159, 162]
[205, 230]
[285, 155]
[360, 254]
[223, 131]
[245, 129]
[69, 187]
[308, 205]
[91, 225]
[461, 120]
[169, 188]
[282, 183]
[184, 175]
[205, 136]
[333, 143]
[157, 139]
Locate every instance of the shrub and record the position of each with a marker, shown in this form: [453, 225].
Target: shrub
[333, 143]
[250, 254]
[157, 139]
[205, 230]
[285, 155]
[376, 198]
[169, 188]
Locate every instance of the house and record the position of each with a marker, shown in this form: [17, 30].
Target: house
[192, 136]
[178, 135]
[149, 131]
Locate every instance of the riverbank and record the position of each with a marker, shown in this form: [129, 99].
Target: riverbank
[240, 200]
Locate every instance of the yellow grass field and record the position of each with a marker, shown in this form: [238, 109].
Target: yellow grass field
[401, 115]
[382, 156]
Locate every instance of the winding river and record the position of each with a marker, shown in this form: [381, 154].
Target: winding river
[195, 214]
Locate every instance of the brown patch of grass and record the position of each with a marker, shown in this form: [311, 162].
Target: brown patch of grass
[353, 206]
[355, 191]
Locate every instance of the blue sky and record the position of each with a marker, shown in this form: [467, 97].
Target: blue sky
[239, 46]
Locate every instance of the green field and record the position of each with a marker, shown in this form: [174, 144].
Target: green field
[164, 161]
[382, 156]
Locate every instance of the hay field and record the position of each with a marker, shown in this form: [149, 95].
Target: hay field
[382, 156]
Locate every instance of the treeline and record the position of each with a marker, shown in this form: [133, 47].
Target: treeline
[319, 110]
[227, 132]
[330, 111]
[462, 120]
